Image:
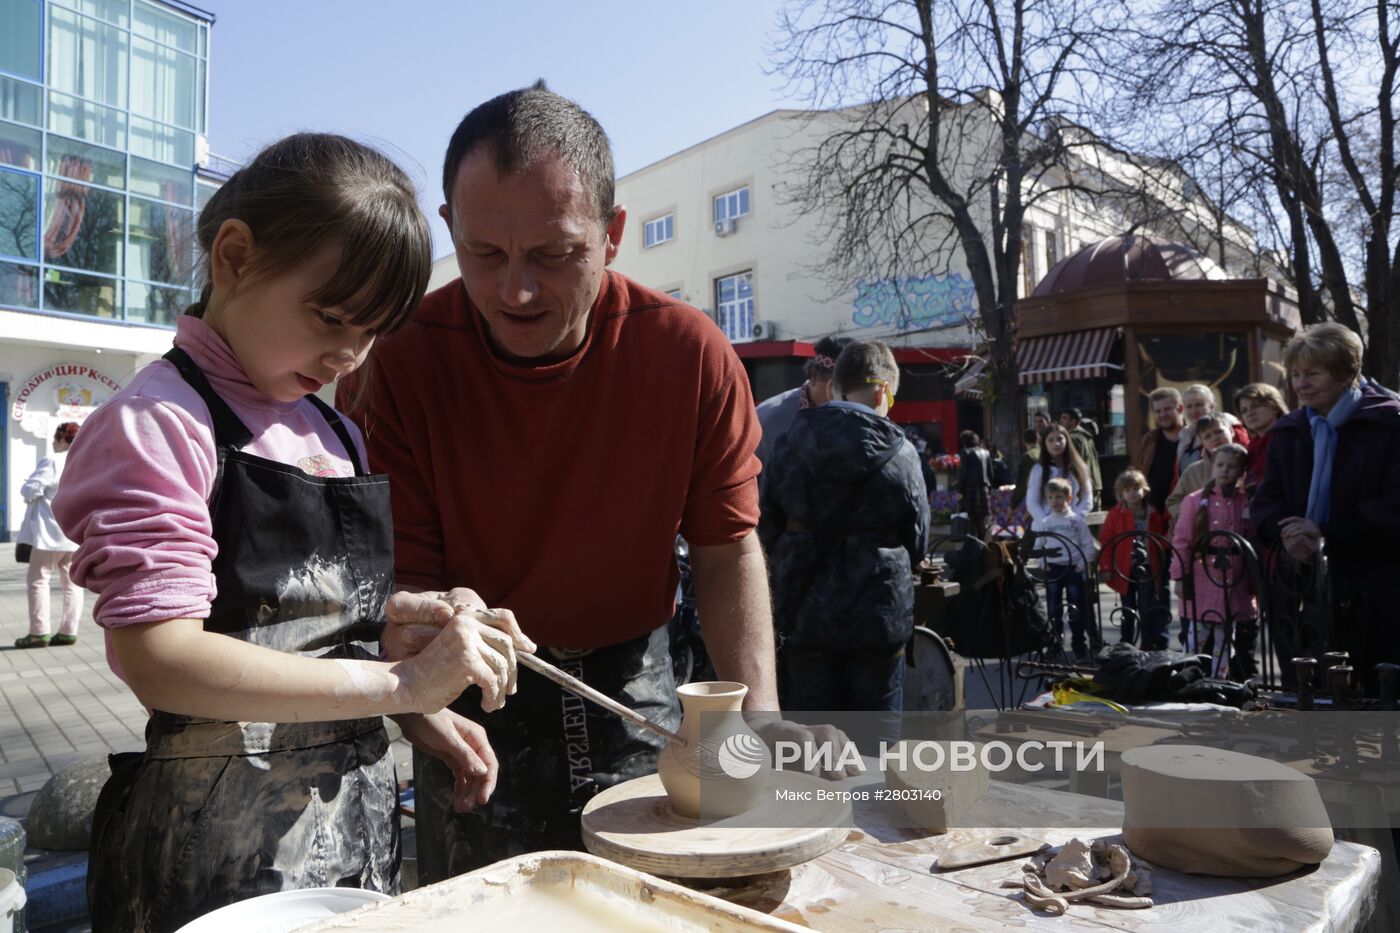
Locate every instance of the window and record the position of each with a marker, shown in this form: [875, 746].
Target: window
[21, 102]
[203, 192]
[86, 163]
[19, 215]
[734, 305]
[165, 84]
[164, 143]
[732, 204]
[19, 285]
[161, 181]
[675, 293]
[161, 243]
[19, 40]
[1052, 249]
[167, 27]
[86, 120]
[87, 58]
[154, 304]
[82, 294]
[19, 146]
[83, 226]
[658, 231]
[113, 11]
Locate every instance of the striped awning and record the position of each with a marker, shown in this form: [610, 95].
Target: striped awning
[1082, 355]
[969, 384]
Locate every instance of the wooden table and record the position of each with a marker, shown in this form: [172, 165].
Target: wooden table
[880, 879]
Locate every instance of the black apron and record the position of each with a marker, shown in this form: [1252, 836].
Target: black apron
[215, 812]
[555, 752]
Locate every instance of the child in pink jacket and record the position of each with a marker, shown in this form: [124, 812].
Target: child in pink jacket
[1219, 595]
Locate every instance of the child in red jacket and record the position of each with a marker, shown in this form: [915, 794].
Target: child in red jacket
[1132, 564]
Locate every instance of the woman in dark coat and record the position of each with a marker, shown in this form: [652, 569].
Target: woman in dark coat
[1333, 474]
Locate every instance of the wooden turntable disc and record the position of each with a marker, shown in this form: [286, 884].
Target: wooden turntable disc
[634, 824]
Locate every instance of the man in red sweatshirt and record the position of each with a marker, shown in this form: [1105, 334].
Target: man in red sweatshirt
[549, 426]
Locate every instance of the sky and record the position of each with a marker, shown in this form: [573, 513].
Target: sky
[659, 76]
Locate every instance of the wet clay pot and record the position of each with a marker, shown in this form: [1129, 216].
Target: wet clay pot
[723, 768]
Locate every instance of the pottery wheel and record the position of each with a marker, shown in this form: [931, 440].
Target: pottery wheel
[634, 824]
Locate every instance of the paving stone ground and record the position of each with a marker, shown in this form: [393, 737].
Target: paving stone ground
[56, 704]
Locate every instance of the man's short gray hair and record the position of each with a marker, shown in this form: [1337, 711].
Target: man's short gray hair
[531, 123]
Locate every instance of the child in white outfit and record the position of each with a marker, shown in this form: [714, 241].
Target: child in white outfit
[1069, 548]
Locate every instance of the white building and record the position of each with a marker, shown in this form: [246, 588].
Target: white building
[102, 148]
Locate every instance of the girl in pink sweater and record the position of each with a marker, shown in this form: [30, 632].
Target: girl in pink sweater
[242, 558]
[1220, 594]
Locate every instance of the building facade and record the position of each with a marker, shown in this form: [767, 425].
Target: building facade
[103, 167]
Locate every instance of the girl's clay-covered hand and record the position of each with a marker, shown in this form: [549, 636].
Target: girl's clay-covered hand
[460, 744]
[475, 647]
[415, 618]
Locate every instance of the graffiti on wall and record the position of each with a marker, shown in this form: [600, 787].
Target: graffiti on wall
[914, 301]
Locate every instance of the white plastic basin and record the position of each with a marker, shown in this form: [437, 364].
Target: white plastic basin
[283, 911]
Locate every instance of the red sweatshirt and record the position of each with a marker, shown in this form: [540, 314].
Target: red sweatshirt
[557, 491]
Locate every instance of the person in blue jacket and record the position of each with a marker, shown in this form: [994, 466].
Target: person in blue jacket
[845, 522]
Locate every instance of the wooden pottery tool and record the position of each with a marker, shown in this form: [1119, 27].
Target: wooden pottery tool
[991, 849]
[634, 823]
[579, 688]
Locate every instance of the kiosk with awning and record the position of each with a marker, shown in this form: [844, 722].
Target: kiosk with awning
[1122, 317]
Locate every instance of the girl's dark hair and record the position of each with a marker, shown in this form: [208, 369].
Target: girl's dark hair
[1203, 513]
[311, 189]
[1077, 469]
[66, 432]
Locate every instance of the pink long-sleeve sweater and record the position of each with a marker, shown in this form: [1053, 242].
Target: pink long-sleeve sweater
[137, 483]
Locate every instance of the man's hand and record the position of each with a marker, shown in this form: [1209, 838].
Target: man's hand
[1301, 538]
[474, 647]
[415, 618]
[460, 744]
[772, 728]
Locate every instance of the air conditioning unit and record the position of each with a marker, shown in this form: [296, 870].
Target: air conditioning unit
[764, 330]
[724, 227]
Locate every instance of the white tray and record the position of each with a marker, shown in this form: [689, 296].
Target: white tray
[566, 891]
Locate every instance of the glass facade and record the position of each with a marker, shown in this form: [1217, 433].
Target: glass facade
[102, 104]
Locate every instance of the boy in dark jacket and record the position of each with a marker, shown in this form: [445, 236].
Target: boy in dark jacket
[845, 521]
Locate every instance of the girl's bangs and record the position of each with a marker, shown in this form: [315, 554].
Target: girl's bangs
[383, 271]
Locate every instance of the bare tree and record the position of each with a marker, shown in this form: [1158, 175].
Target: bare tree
[937, 120]
[1299, 94]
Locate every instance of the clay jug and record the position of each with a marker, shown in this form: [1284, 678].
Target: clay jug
[723, 768]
